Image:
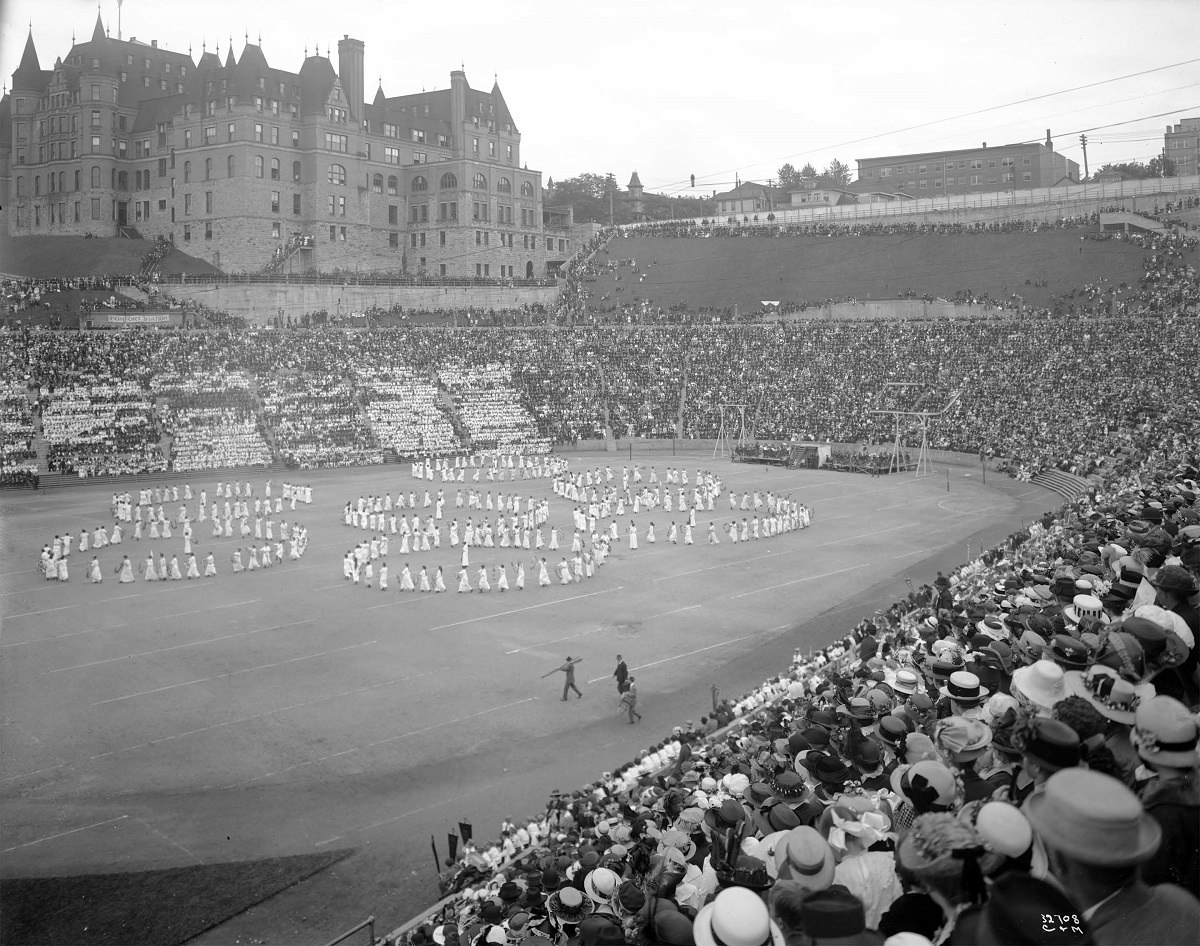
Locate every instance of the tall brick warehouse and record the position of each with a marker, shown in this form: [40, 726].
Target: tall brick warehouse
[253, 168]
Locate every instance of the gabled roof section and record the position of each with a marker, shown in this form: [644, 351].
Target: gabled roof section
[230, 61]
[380, 98]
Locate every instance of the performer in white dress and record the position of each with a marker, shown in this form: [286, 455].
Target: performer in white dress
[94, 574]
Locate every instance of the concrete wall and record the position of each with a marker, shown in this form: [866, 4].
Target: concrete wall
[258, 303]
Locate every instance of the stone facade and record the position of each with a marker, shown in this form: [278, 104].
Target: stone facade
[256, 169]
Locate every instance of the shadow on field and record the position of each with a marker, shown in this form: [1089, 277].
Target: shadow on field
[160, 907]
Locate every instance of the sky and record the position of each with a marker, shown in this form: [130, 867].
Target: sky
[723, 91]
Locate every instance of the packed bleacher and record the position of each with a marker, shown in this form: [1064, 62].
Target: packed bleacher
[18, 452]
[405, 412]
[211, 419]
[317, 422]
[100, 427]
[490, 408]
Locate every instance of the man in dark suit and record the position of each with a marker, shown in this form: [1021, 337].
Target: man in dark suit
[622, 674]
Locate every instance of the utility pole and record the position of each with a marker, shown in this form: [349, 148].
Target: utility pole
[1083, 141]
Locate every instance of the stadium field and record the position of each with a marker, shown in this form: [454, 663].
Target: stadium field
[284, 711]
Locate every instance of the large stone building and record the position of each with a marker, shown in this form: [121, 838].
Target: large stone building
[252, 168]
[969, 170]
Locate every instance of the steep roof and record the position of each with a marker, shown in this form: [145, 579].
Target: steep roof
[98, 33]
[29, 74]
[503, 115]
[635, 181]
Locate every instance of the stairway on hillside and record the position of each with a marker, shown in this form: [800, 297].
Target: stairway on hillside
[40, 445]
[687, 370]
[449, 406]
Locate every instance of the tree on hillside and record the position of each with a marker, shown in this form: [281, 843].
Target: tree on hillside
[587, 193]
[836, 173]
[1161, 166]
[788, 177]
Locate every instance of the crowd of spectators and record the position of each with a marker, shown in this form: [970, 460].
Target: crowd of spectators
[490, 409]
[18, 451]
[212, 420]
[317, 422]
[98, 427]
[1010, 754]
[406, 412]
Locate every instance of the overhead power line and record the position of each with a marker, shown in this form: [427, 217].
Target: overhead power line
[939, 121]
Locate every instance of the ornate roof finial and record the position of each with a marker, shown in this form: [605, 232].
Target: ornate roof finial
[260, 37]
[247, 37]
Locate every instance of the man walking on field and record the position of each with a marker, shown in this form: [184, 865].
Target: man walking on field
[569, 669]
[629, 698]
[621, 673]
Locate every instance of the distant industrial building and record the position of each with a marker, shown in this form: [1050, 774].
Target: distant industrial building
[1020, 166]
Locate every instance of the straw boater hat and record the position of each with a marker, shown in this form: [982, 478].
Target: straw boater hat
[964, 688]
[568, 906]
[1093, 818]
[1166, 734]
[736, 917]
[964, 739]
[806, 858]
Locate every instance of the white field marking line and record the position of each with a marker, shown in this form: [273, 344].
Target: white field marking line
[50, 586]
[798, 581]
[690, 607]
[807, 548]
[234, 673]
[63, 834]
[230, 722]
[557, 640]
[404, 599]
[167, 650]
[86, 604]
[532, 607]
[692, 653]
[170, 840]
[58, 637]
[932, 548]
[387, 821]
[112, 627]
[382, 742]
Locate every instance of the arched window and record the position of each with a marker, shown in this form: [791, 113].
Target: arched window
[208, 169]
[449, 182]
[229, 166]
[123, 180]
[296, 171]
[77, 173]
[20, 187]
[274, 169]
[95, 176]
[62, 180]
[377, 184]
[420, 184]
[337, 175]
[187, 171]
[37, 185]
[480, 182]
[258, 165]
[393, 185]
[504, 185]
[526, 189]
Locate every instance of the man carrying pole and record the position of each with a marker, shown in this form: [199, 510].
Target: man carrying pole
[569, 669]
